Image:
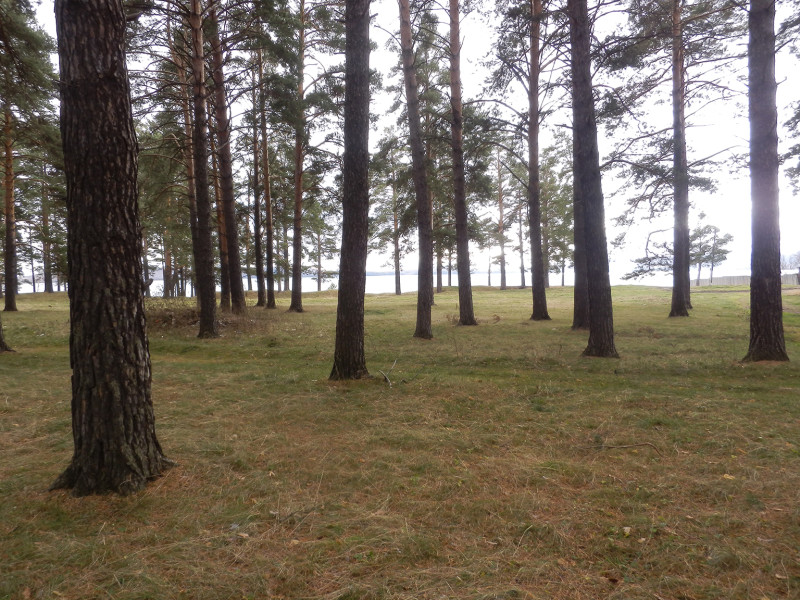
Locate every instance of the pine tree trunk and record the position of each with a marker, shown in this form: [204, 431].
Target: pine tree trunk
[580, 311]
[501, 226]
[424, 273]
[222, 237]
[396, 234]
[4, 347]
[589, 185]
[113, 424]
[238, 303]
[204, 257]
[269, 227]
[10, 255]
[179, 58]
[466, 312]
[520, 237]
[296, 304]
[538, 274]
[349, 361]
[680, 172]
[261, 299]
[47, 245]
[766, 308]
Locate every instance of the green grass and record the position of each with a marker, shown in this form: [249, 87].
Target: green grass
[499, 463]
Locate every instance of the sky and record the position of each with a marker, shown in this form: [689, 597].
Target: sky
[728, 208]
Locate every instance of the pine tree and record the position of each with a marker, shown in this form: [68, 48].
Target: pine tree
[26, 78]
[766, 311]
[589, 186]
[113, 425]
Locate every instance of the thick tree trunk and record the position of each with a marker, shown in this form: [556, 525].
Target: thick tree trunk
[466, 312]
[766, 309]
[349, 361]
[681, 289]
[10, 250]
[113, 425]
[238, 304]
[538, 273]
[425, 272]
[580, 301]
[204, 257]
[4, 347]
[588, 182]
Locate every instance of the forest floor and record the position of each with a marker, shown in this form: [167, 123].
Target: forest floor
[492, 462]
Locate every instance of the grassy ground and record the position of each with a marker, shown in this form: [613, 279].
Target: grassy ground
[497, 464]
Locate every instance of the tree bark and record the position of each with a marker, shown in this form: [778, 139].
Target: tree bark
[538, 274]
[269, 228]
[296, 304]
[424, 221]
[466, 312]
[501, 226]
[521, 239]
[766, 309]
[113, 425]
[47, 243]
[681, 286]
[222, 236]
[396, 232]
[10, 256]
[589, 185]
[204, 257]
[238, 303]
[580, 309]
[4, 347]
[349, 361]
[261, 299]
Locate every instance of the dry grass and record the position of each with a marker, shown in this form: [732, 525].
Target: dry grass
[497, 464]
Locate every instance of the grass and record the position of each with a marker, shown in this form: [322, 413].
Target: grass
[498, 464]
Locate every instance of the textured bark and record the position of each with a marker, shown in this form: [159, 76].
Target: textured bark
[580, 301]
[261, 299]
[10, 246]
[681, 287]
[766, 309]
[296, 304]
[223, 130]
[588, 182]
[466, 312]
[538, 272]
[222, 237]
[203, 254]
[113, 425]
[396, 233]
[424, 221]
[4, 347]
[188, 151]
[501, 226]
[349, 361]
[269, 227]
[47, 244]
